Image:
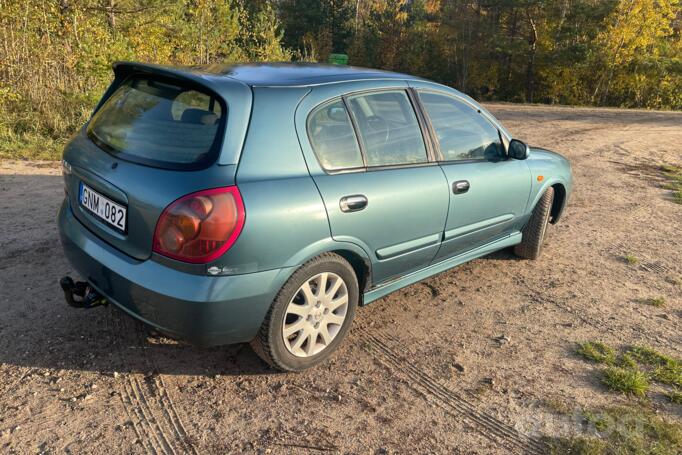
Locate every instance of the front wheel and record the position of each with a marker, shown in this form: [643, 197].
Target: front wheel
[310, 315]
[534, 231]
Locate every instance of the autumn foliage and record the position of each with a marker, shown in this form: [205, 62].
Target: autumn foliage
[56, 54]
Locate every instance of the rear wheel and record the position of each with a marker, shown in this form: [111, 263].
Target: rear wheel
[536, 228]
[310, 315]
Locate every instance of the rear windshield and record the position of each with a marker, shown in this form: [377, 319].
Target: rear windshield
[160, 122]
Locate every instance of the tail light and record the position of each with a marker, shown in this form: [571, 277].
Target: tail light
[201, 226]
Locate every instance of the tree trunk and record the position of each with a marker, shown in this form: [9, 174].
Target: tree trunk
[111, 15]
[506, 75]
[530, 68]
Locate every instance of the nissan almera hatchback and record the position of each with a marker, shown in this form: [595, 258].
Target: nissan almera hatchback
[265, 203]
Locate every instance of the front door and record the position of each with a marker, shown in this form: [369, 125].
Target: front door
[379, 187]
[488, 190]
[490, 209]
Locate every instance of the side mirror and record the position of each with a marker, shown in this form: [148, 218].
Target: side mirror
[518, 150]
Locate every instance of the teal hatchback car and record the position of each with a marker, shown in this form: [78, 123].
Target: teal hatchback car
[265, 203]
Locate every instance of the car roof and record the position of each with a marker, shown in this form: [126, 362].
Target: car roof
[275, 74]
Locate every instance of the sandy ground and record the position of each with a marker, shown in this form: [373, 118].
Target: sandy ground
[422, 369]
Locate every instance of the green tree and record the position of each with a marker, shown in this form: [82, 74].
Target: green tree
[56, 54]
[317, 27]
[638, 34]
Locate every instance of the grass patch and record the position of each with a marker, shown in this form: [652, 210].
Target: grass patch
[673, 170]
[633, 371]
[630, 259]
[625, 380]
[622, 431]
[597, 352]
[578, 445]
[626, 430]
[654, 301]
[661, 368]
[648, 356]
[670, 374]
[597, 419]
[674, 176]
[675, 396]
[627, 361]
[31, 147]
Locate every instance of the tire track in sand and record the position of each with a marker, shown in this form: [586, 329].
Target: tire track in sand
[160, 390]
[379, 345]
[154, 428]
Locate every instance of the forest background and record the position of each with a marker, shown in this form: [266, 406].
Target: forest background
[56, 55]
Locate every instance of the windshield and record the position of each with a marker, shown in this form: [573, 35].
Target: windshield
[159, 122]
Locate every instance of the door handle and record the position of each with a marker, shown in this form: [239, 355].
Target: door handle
[353, 203]
[460, 186]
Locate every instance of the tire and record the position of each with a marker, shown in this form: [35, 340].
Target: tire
[534, 231]
[316, 323]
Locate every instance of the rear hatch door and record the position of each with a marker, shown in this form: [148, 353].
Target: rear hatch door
[156, 136]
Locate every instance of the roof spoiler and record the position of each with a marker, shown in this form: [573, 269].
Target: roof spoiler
[123, 69]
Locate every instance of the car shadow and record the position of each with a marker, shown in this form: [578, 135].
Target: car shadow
[38, 330]
[506, 254]
[108, 341]
[42, 332]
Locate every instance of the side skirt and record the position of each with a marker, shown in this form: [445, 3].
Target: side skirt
[434, 269]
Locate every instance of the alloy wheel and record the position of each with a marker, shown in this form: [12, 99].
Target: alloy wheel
[315, 314]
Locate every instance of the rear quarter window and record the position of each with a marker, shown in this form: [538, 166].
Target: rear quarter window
[160, 122]
[332, 137]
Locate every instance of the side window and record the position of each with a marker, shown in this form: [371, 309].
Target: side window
[388, 128]
[332, 137]
[463, 133]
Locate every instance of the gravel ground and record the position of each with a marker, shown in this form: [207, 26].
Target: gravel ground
[479, 359]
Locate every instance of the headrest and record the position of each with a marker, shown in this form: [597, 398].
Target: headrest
[198, 116]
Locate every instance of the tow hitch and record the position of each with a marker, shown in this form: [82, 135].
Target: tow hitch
[79, 294]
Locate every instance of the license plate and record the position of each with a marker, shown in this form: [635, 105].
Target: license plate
[103, 208]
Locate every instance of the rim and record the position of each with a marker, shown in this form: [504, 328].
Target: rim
[315, 314]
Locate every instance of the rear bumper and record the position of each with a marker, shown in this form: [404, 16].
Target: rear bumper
[203, 310]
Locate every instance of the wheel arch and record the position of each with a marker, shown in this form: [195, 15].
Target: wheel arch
[559, 202]
[361, 266]
[351, 252]
[560, 196]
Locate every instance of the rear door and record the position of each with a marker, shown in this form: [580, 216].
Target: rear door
[153, 140]
[379, 186]
[488, 190]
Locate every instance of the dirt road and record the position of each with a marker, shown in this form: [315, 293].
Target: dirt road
[479, 359]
